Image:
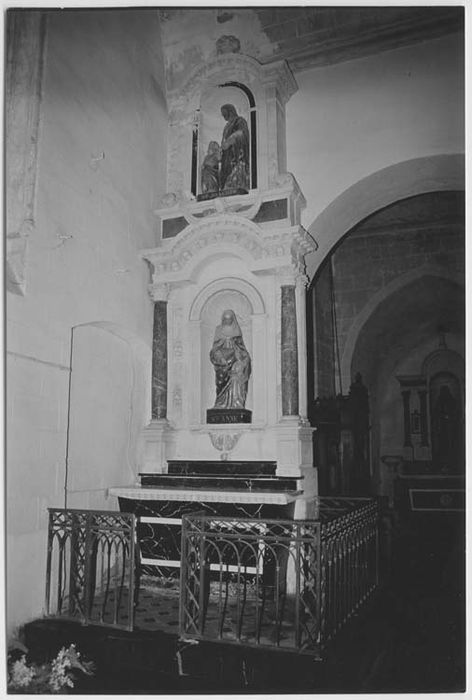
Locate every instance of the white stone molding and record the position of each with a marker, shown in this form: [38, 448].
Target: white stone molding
[278, 74]
[278, 343]
[224, 441]
[176, 362]
[263, 251]
[219, 496]
[158, 446]
[193, 377]
[238, 67]
[222, 205]
[283, 185]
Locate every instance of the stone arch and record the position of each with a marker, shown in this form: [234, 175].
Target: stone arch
[378, 190]
[225, 284]
[196, 262]
[444, 359]
[363, 317]
[238, 67]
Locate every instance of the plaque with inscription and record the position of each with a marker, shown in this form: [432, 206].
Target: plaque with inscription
[229, 415]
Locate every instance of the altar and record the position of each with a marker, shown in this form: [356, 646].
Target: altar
[229, 433]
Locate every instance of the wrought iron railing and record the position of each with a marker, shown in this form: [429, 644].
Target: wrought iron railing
[349, 559]
[91, 572]
[287, 584]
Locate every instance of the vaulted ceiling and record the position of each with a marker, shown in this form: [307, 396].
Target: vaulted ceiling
[313, 36]
[305, 36]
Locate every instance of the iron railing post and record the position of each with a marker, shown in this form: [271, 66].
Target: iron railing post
[87, 567]
[297, 587]
[318, 588]
[183, 575]
[132, 573]
[201, 588]
[73, 563]
[48, 562]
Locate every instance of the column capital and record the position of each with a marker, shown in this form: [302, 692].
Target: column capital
[292, 276]
[287, 276]
[159, 292]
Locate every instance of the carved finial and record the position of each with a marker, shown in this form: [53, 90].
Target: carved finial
[228, 44]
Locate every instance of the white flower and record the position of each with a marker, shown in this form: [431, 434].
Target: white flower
[21, 673]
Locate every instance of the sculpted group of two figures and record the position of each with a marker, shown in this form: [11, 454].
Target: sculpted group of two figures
[226, 167]
[232, 363]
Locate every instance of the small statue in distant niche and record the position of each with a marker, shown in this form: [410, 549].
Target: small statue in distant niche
[232, 363]
[210, 169]
[234, 151]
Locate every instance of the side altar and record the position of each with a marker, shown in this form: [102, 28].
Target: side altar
[229, 432]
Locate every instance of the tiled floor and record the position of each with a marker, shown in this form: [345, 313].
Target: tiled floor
[227, 619]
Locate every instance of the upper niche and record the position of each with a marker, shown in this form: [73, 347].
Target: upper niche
[224, 148]
[257, 95]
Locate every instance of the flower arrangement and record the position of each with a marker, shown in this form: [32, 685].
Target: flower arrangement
[56, 676]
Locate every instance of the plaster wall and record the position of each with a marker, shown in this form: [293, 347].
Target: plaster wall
[101, 164]
[355, 118]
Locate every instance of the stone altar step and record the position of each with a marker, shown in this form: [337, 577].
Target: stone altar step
[221, 467]
[225, 482]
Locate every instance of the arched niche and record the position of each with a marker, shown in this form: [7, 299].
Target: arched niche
[205, 315]
[444, 360]
[209, 126]
[444, 371]
[262, 90]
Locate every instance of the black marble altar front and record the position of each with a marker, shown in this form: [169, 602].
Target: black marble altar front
[161, 541]
[212, 487]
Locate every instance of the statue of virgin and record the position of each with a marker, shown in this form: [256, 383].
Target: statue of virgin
[232, 363]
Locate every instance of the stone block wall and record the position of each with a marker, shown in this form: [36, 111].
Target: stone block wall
[378, 252]
[324, 344]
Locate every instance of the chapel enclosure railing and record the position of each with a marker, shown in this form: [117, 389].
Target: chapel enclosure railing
[286, 584]
[349, 559]
[90, 572]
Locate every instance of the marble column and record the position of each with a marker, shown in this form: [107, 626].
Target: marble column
[423, 418]
[289, 352]
[406, 418]
[159, 361]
